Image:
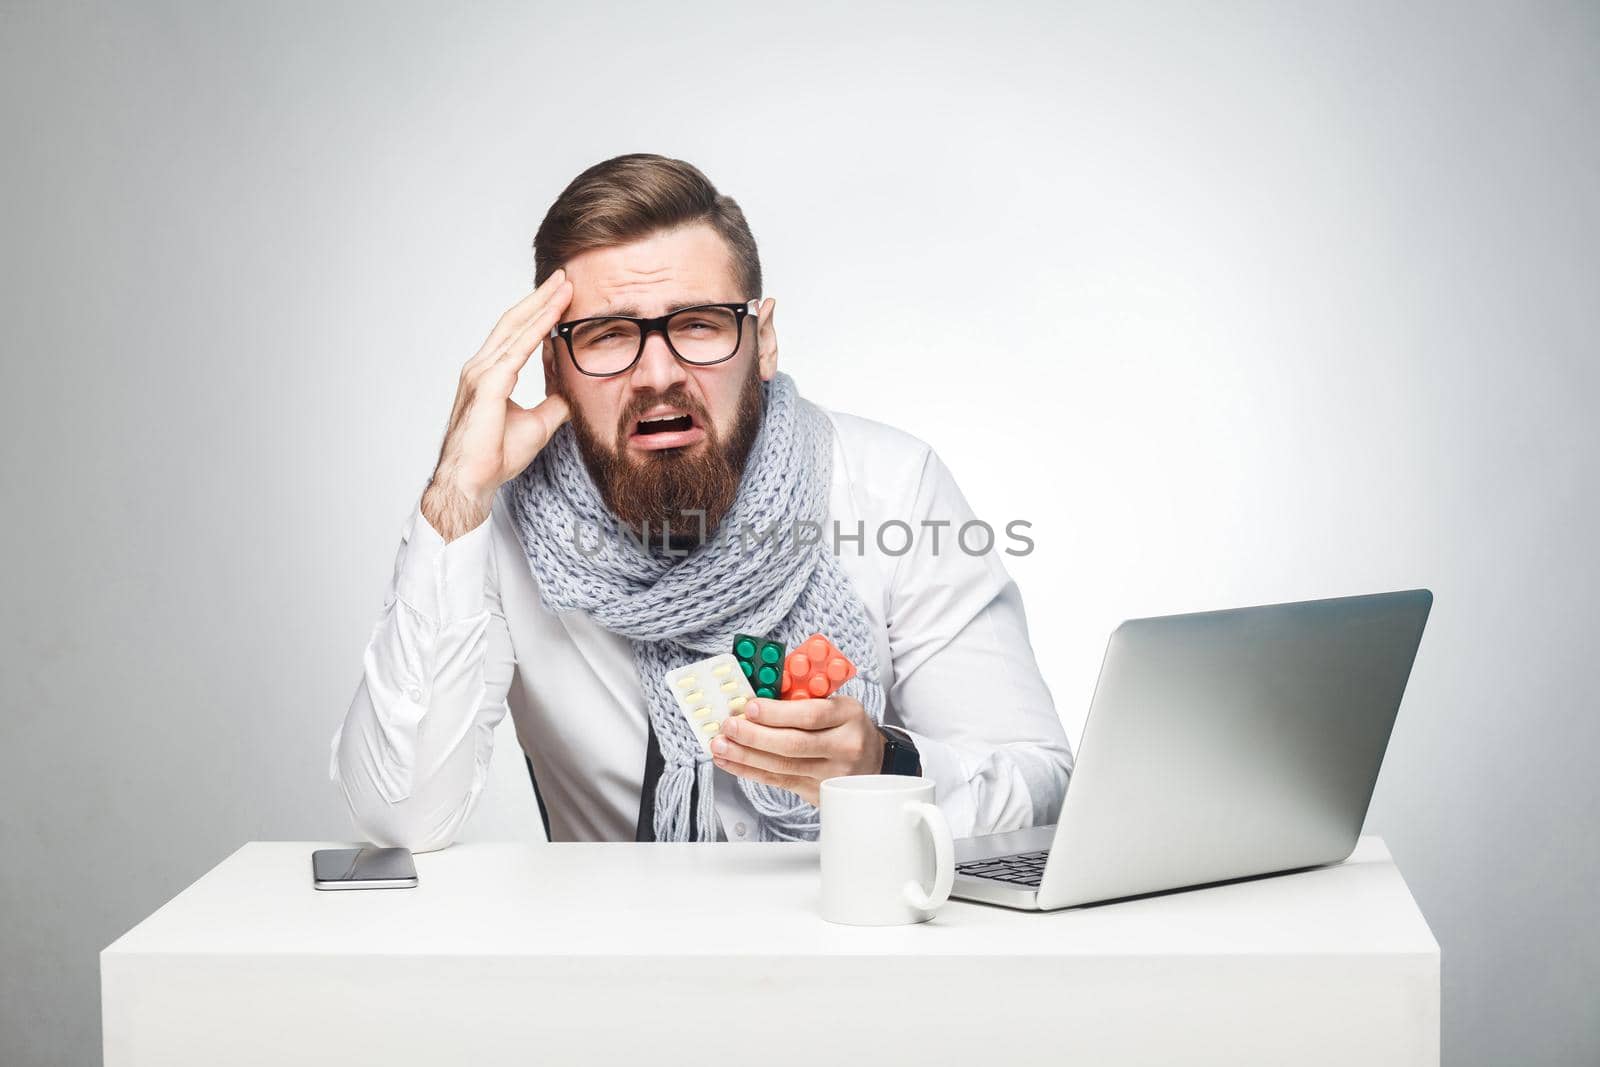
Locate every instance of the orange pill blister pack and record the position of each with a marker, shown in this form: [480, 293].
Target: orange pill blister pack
[815, 669]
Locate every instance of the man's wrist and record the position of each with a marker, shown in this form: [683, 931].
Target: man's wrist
[451, 512]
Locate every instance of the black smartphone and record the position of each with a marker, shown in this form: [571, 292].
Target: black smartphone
[363, 868]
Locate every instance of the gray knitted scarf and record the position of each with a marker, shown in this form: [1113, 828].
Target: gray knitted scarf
[757, 575]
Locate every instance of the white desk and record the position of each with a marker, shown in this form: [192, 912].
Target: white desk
[668, 954]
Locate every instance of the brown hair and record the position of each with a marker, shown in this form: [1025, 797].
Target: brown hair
[633, 196]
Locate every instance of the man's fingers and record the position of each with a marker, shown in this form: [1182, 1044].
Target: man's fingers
[518, 314]
[497, 375]
[766, 761]
[779, 740]
[805, 787]
[516, 320]
[520, 347]
[814, 714]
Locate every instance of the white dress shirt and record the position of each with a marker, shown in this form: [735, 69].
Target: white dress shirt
[463, 637]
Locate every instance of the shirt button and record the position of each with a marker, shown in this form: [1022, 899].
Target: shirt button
[414, 695]
[738, 829]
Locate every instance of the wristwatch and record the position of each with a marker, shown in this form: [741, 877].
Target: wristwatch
[899, 754]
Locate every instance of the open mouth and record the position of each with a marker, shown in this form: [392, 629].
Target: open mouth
[666, 428]
[663, 424]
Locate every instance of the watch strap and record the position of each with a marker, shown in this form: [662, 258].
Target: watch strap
[900, 754]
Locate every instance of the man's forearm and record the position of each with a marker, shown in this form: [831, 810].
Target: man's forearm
[390, 801]
[451, 512]
[435, 675]
[988, 789]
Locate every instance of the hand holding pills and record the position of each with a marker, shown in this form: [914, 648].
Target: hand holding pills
[796, 744]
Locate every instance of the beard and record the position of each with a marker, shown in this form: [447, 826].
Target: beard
[668, 489]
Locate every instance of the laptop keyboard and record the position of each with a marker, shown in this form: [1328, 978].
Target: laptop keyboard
[1024, 869]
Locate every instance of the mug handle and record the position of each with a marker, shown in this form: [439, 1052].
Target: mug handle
[944, 870]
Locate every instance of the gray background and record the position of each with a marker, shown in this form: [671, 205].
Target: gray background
[1235, 303]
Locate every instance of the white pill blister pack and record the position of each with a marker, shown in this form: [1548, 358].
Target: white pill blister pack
[708, 692]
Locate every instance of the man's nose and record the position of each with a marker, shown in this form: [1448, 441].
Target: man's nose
[658, 368]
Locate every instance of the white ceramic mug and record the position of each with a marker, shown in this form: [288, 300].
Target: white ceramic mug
[882, 839]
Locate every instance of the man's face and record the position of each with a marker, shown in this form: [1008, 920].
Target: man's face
[645, 472]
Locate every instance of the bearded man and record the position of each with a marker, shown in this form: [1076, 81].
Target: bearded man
[673, 490]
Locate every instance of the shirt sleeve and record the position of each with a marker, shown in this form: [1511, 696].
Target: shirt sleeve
[412, 753]
[966, 684]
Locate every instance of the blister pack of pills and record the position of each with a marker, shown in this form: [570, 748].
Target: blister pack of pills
[708, 692]
[761, 660]
[815, 669]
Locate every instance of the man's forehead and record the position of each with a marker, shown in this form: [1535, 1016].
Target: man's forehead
[653, 276]
[649, 308]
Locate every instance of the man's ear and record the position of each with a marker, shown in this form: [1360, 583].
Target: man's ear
[766, 340]
[552, 376]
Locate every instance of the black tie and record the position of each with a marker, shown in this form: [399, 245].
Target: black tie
[653, 764]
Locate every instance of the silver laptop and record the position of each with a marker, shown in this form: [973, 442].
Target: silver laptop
[1219, 745]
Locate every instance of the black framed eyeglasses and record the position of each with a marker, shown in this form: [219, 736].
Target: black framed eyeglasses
[605, 345]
